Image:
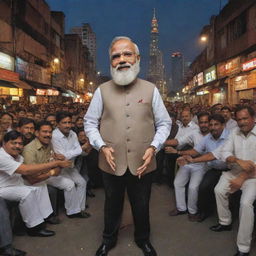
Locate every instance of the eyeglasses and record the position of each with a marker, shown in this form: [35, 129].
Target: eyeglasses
[125, 54]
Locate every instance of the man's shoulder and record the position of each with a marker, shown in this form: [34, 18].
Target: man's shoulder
[30, 145]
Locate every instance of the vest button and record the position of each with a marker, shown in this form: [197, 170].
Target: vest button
[128, 150]
[127, 104]
[127, 115]
[128, 139]
[128, 128]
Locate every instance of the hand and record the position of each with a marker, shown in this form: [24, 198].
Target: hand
[236, 184]
[246, 165]
[170, 150]
[147, 158]
[181, 161]
[231, 159]
[189, 159]
[58, 157]
[55, 171]
[86, 147]
[64, 163]
[108, 153]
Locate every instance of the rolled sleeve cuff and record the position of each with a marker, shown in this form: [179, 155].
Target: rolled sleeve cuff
[98, 144]
[156, 145]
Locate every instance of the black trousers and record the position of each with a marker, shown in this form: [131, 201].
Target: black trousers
[206, 196]
[138, 191]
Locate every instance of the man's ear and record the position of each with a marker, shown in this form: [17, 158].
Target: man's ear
[36, 133]
[18, 129]
[138, 57]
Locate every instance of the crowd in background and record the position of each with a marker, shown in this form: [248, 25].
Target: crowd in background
[29, 119]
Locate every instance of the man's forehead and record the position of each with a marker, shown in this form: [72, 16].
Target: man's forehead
[121, 45]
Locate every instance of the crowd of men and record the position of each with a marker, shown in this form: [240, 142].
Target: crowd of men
[210, 150]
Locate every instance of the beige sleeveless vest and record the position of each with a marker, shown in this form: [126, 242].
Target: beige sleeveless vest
[127, 124]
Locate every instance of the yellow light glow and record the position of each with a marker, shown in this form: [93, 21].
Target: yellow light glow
[56, 61]
[203, 38]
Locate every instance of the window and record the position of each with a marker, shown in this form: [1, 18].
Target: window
[237, 27]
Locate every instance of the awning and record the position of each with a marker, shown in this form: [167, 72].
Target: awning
[37, 85]
[23, 85]
[7, 84]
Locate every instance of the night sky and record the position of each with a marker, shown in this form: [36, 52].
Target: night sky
[180, 23]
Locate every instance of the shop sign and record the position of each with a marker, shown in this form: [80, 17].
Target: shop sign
[227, 68]
[11, 91]
[22, 68]
[251, 80]
[249, 65]
[240, 83]
[195, 81]
[200, 78]
[9, 75]
[6, 61]
[47, 92]
[210, 74]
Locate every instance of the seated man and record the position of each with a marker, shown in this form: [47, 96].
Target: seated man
[190, 172]
[65, 142]
[34, 203]
[240, 152]
[6, 247]
[40, 151]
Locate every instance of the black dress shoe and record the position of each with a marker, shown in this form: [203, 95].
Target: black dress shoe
[10, 251]
[147, 248]
[104, 249]
[242, 254]
[81, 215]
[40, 232]
[219, 228]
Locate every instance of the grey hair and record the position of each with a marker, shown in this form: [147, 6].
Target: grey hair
[117, 38]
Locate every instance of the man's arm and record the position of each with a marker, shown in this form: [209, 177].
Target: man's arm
[92, 120]
[162, 121]
[30, 169]
[203, 158]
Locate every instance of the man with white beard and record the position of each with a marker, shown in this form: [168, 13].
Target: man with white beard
[128, 123]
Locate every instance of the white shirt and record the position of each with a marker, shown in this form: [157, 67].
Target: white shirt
[67, 146]
[162, 120]
[192, 139]
[185, 130]
[231, 124]
[238, 145]
[8, 167]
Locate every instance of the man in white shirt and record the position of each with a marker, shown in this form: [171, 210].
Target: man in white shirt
[192, 173]
[230, 123]
[239, 151]
[34, 202]
[186, 125]
[65, 142]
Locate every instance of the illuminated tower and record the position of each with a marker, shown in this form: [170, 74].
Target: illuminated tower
[156, 67]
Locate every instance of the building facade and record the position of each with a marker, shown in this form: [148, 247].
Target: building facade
[225, 71]
[156, 68]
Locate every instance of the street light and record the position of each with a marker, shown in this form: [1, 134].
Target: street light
[56, 61]
[203, 38]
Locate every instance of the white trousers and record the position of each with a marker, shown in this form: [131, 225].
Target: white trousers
[246, 211]
[34, 202]
[73, 197]
[192, 173]
[74, 186]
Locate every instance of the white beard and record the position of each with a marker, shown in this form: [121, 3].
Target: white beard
[125, 77]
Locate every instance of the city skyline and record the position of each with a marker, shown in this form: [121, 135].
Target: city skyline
[133, 19]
